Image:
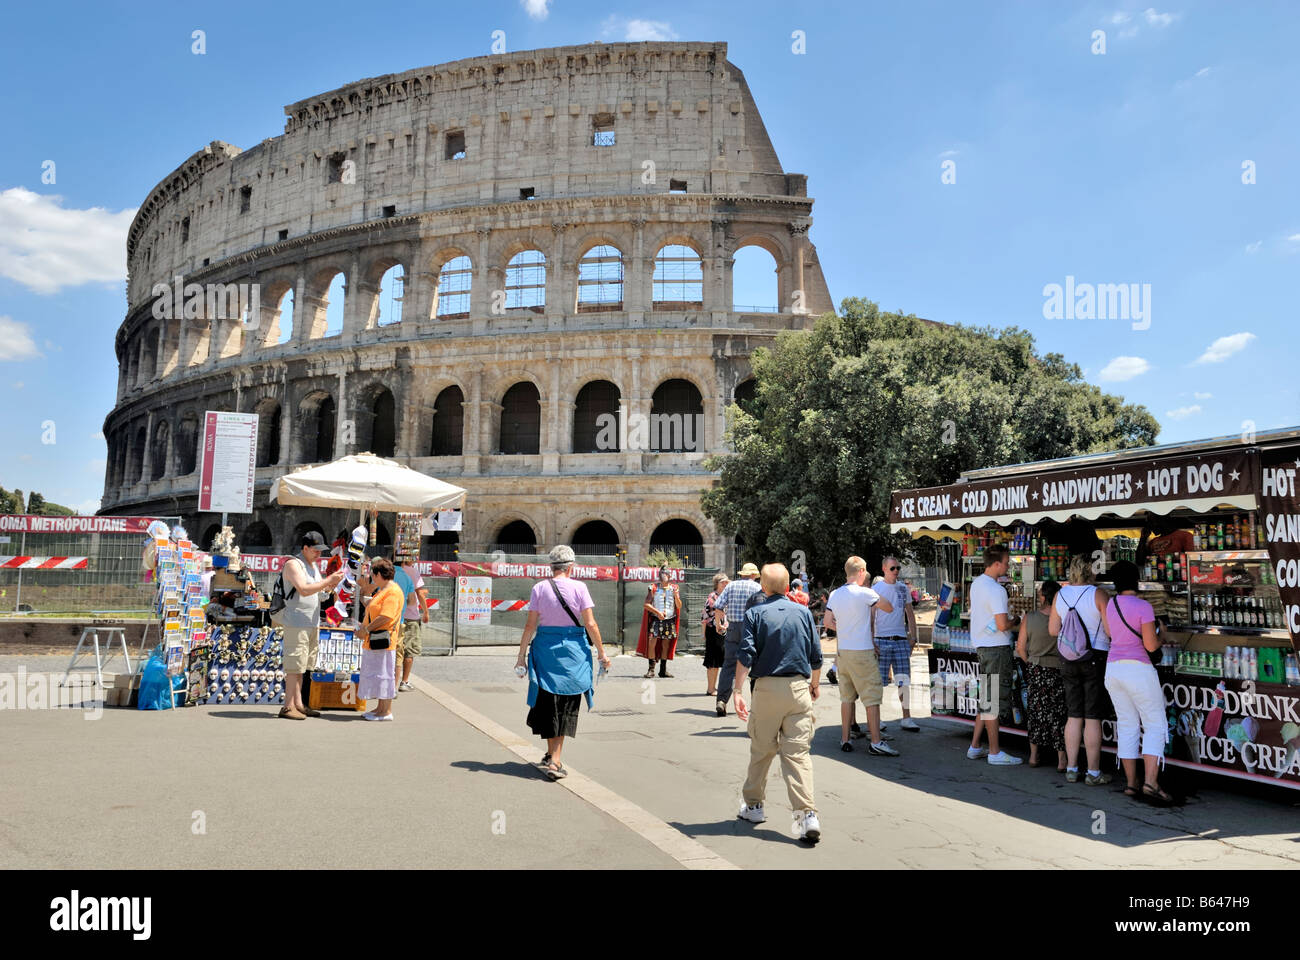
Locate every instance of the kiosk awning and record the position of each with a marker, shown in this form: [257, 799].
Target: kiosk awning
[1122, 489]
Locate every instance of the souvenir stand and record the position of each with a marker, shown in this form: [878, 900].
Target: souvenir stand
[1214, 528]
[242, 662]
[367, 484]
[179, 603]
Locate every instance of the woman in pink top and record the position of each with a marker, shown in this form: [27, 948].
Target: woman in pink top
[1134, 685]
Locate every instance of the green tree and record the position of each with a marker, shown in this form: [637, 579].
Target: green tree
[35, 503]
[9, 503]
[870, 402]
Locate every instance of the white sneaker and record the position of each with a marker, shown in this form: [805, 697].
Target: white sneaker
[882, 749]
[808, 828]
[910, 724]
[404, 686]
[976, 753]
[753, 814]
[1003, 759]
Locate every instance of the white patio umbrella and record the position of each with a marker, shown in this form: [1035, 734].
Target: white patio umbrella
[366, 482]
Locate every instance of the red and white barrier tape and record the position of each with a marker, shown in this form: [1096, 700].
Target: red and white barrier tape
[44, 563]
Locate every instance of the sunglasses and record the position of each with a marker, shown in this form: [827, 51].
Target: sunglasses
[891, 569]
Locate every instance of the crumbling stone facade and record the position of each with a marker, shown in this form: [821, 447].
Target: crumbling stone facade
[526, 242]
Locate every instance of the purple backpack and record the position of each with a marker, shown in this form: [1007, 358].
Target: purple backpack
[1074, 643]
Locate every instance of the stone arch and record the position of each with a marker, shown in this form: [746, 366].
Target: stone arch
[277, 310]
[755, 280]
[382, 288]
[186, 446]
[135, 462]
[158, 454]
[149, 355]
[448, 433]
[301, 528]
[269, 429]
[514, 525]
[601, 282]
[209, 534]
[453, 283]
[377, 420]
[526, 274]
[317, 415]
[681, 534]
[746, 394]
[676, 417]
[610, 537]
[521, 419]
[595, 400]
[256, 538]
[326, 300]
[677, 279]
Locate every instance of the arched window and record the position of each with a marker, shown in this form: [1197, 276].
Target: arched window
[526, 281]
[209, 535]
[268, 433]
[595, 538]
[746, 395]
[335, 296]
[303, 528]
[285, 332]
[448, 424]
[676, 418]
[455, 281]
[149, 363]
[754, 287]
[521, 419]
[516, 537]
[680, 537]
[600, 280]
[158, 458]
[187, 446]
[678, 278]
[391, 286]
[256, 538]
[596, 428]
[317, 416]
[135, 465]
[380, 428]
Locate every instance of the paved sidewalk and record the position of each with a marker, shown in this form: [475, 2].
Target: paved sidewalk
[428, 789]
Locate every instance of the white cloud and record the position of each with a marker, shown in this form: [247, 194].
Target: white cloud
[1254, 247]
[1159, 19]
[97, 435]
[86, 508]
[1203, 396]
[1225, 347]
[1124, 368]
[637, 31]
[1119, 16]
[950, 153]
[16, 341]
[537, 9]
[18, 384]
[46, 247]
[1203, 72]
[25, 457]
[1294, 241]
[1183, 412]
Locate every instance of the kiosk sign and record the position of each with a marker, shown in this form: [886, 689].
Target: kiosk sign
[229, 465]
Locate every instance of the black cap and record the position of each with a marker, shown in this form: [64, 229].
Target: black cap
[313, 539]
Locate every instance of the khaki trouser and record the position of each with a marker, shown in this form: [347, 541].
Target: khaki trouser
[781, 721]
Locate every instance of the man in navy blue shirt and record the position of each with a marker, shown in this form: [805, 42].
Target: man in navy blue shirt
[780, 650]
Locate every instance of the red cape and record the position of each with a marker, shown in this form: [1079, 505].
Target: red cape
[643, 639]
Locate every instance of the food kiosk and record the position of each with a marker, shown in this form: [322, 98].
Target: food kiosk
[1214, 526]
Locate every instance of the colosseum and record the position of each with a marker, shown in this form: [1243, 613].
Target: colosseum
[475, 269]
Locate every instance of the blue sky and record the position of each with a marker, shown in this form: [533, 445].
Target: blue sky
[1122, 167]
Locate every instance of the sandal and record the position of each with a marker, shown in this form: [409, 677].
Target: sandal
[649, 674]
[556, 771]
[1130, 791]
[1153, 793]
[544, 762]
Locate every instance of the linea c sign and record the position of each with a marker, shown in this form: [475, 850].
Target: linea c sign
[229, 467]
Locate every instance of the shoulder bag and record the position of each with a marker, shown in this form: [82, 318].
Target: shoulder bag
[560, 597]
[1156, 655]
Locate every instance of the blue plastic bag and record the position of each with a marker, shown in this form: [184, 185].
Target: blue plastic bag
[155, 685]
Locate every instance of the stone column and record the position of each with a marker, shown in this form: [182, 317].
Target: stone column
[341, 417]
[635, 280]
[556, 279]
[550, 445]
[289, 422]
[799, 296]
[302, 313]
[146, 467]
[356, 317]
[717, 278]
[480, 297]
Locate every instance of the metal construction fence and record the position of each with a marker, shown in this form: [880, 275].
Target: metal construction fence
[67, 573]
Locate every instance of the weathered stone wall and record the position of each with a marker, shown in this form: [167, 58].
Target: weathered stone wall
[271, 216]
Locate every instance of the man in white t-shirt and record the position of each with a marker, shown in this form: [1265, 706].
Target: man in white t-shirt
[991, 624]
[848, 613]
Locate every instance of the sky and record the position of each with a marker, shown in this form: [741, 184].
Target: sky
[964, 157]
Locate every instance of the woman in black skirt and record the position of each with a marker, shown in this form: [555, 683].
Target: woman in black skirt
[555, 655]
[714, 642]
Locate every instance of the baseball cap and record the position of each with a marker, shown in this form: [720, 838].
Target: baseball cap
[313, 539]
[561, 555]
[748, 570]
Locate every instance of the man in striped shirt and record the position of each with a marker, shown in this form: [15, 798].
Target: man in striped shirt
[729, 615]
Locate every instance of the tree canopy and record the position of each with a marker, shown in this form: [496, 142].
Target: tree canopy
[12, 502]
[869, 402]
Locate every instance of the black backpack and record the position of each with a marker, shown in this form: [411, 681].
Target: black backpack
[278, 597]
